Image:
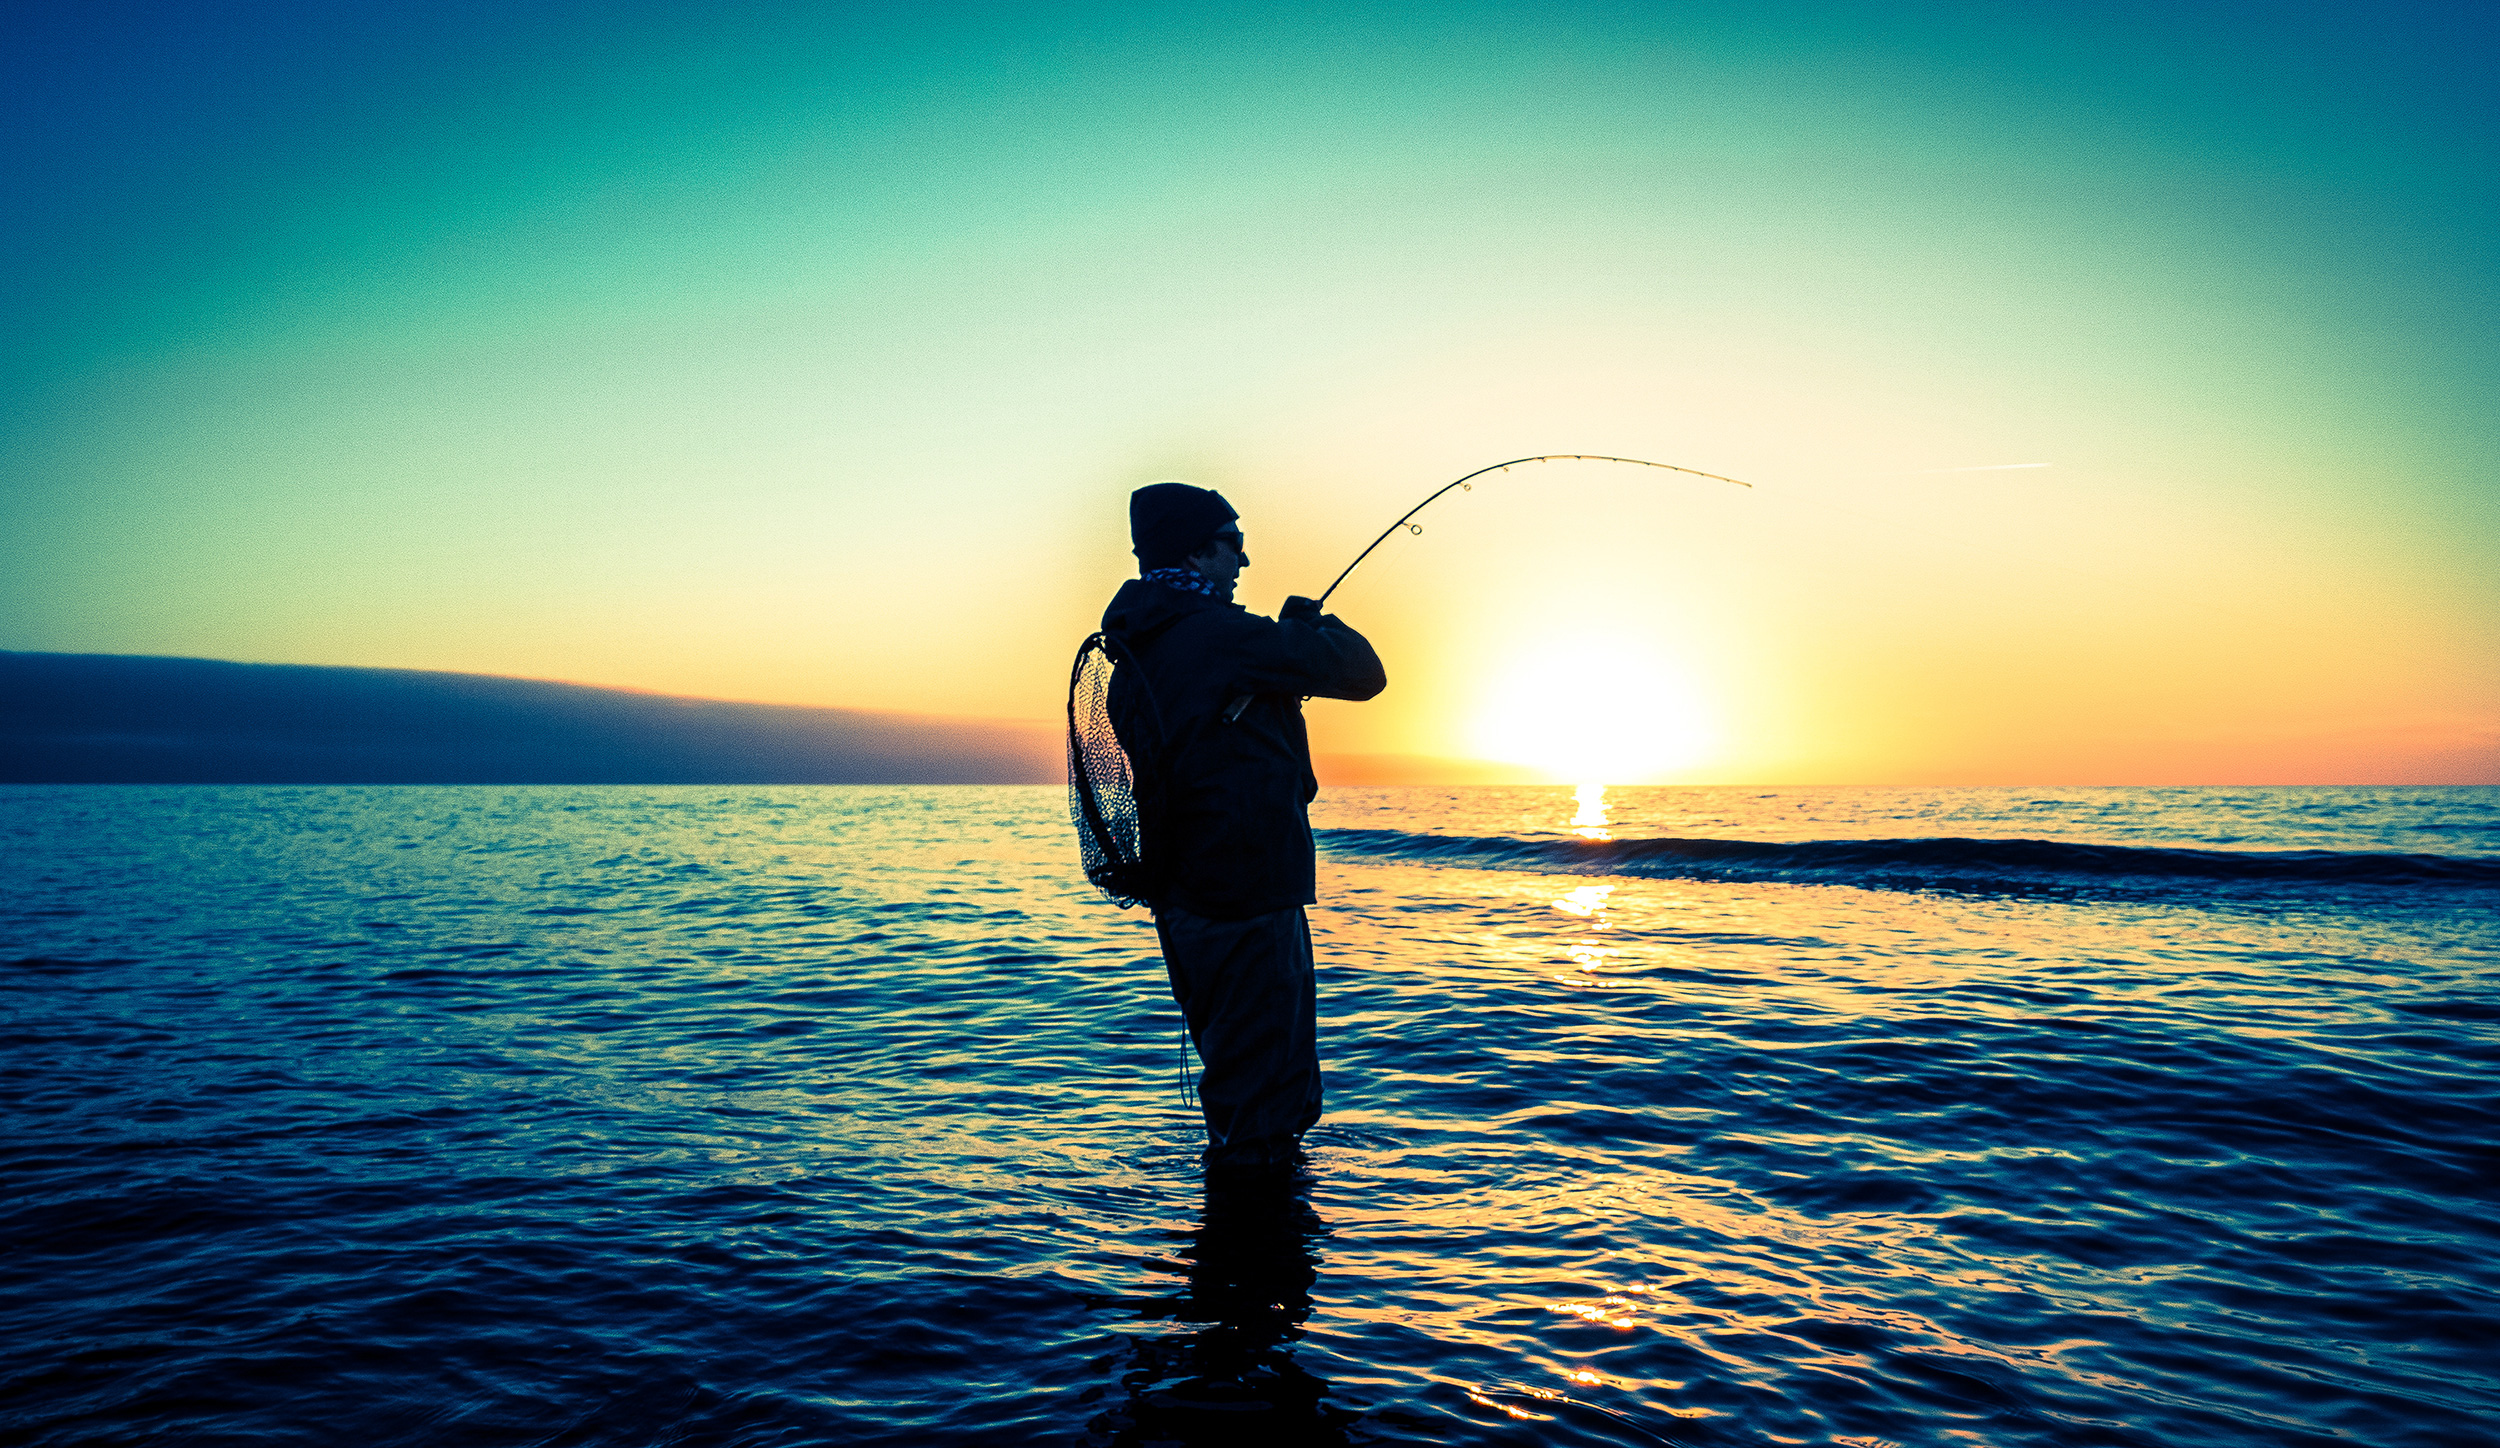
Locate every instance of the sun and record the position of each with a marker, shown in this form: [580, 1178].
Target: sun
[1594, 710]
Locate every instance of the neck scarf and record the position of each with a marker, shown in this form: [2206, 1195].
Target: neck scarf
[1187, 580]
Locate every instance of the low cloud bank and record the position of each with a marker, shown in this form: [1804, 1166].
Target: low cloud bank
[114, 719]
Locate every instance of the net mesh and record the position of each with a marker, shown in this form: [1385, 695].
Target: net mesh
[1112, 734]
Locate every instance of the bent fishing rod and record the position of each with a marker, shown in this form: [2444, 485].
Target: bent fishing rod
[1467, 482]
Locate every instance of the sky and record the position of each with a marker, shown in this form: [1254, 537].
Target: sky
[2116, 389]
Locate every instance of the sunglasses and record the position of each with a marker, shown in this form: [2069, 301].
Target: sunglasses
[1231, 538]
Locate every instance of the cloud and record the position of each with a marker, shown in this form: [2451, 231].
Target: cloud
[89, 718]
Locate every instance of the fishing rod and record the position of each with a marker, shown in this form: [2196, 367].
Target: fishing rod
[1466, 482]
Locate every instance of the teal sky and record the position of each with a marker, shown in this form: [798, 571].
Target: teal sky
[756, 353]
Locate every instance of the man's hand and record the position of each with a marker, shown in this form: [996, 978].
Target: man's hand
[1299, 610]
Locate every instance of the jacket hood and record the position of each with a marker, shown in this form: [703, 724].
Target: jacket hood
[1140, 610]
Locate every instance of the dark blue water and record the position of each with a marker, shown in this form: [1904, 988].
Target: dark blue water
[821, 1115]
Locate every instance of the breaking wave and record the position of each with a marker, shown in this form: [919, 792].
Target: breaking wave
[1968, 864]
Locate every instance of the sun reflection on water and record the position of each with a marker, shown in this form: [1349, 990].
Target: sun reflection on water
[1614, 1310]
[1589, 955]
[1586, 901]
[1590, 822]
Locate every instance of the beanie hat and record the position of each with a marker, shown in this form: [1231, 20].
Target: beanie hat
[1169, 521]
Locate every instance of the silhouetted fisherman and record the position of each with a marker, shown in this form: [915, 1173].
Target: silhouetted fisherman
[1232, 841]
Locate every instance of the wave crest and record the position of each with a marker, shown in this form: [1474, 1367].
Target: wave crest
[1915, 863]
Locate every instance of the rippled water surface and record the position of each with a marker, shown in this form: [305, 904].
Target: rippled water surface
[825, 1115]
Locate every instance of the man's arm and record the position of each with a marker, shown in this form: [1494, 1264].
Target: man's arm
[1304, 652]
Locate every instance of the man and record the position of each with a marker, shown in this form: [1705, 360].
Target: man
[1232, 841]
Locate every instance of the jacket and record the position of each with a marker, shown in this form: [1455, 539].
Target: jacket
[1232, 836]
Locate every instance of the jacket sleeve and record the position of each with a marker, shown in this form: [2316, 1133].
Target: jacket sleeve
[1325, 659]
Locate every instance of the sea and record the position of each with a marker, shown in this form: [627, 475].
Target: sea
[825, 1115]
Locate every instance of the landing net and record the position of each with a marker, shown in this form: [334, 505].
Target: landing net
[1113, 733]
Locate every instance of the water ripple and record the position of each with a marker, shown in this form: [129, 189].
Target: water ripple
[711, 1116]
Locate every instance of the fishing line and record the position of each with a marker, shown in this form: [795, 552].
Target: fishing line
[1405, 522]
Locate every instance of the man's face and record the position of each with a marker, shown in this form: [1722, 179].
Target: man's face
[1222, 560]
